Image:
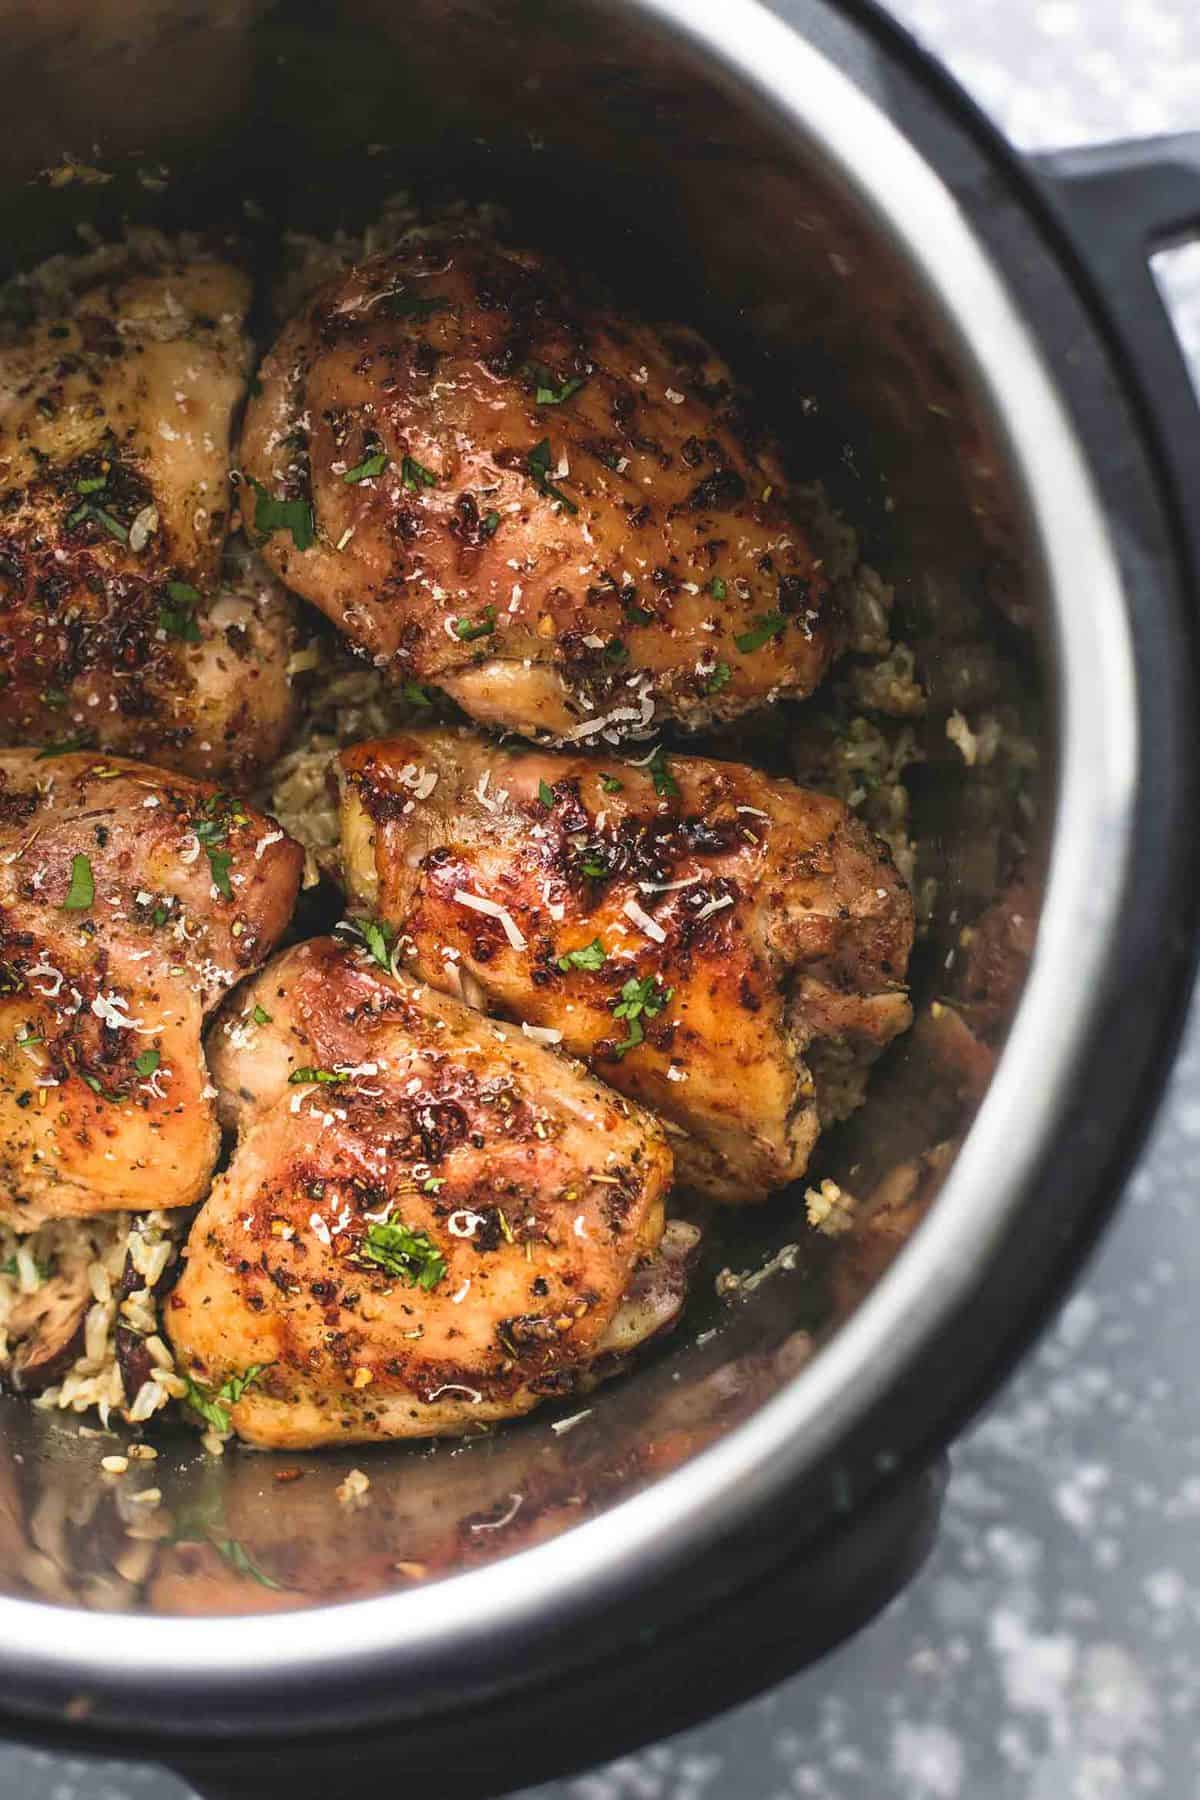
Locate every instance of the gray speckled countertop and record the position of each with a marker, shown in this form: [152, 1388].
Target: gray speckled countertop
[1051, 1648]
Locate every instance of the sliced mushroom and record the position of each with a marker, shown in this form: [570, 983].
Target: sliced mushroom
[134, 1361]
[48, 1329]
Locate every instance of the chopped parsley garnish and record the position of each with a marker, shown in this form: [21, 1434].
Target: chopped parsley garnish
[212, 829]
[768, 626]
[295, 516]
[415, 694]
[615, 651]
[380, 940]
[546, 794]
[213, 1407]
[489, 523]
[178, 619]
[308, 1076]
[470, 629]
[551, 392]
[591, 956]
[665, 783]
[610, 784]
[82, 890]
[640, 999]
[371, 465]
[432, 1183]
[411, 1256]
[594, 865]
[414, 475]
[97, 1087]
[147, 1062]
[66, 748]
[719, 678]
[218, 863]
[89, 510]
[717, 588]
[401, 305]
[31, 1037]
[537, 464]
[261, 1016]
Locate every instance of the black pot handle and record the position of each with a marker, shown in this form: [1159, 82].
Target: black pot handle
[1119, 204]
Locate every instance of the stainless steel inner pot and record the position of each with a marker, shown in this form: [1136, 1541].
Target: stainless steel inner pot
[719, 166]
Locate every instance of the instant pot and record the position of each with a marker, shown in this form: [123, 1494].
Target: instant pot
[969, 348]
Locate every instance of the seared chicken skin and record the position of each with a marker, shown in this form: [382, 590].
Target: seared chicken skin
[694, 928]
[116, 629]
[131, 901]
[429, 1220]
[555, 513]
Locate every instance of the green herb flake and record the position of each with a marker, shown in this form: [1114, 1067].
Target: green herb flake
[537, 464]
[369, 467]
[66, 748]
[54, 698]
[219, 863]
[91, 484]
[665, 784]
[551, 392]
[764, 628]
[592, 956]
[416, 695]
[213, 1405]
[610, 784]
[98, 1088]
[178, 619]
[594, 866]
[432, 1183]
[639, 999]
[467, 630]
[380, 941]
[546, 794]
[308, 1076]
[271, 515]
[410, 1256]
[31, 1037]
[261, 1016]
[82, 891]
[414, 475]
[147, 1062]
[636, 615]
[717, 588]
[719, 678]
[489, 523]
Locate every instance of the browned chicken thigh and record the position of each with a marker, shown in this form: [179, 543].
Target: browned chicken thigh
[131, 901]
[557, 514]
[116, 626]
[429, 1221]
[724, 947]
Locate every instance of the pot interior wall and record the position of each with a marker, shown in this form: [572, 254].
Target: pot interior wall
[616, 145]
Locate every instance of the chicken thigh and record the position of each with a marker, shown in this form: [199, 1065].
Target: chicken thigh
[131, 901]
[116, 626]
[429, 1221]
[557, 514]
[724, 947]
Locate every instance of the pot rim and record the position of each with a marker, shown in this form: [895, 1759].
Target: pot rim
[451, 1630]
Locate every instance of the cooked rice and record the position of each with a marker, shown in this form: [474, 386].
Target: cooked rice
[149, 1243]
